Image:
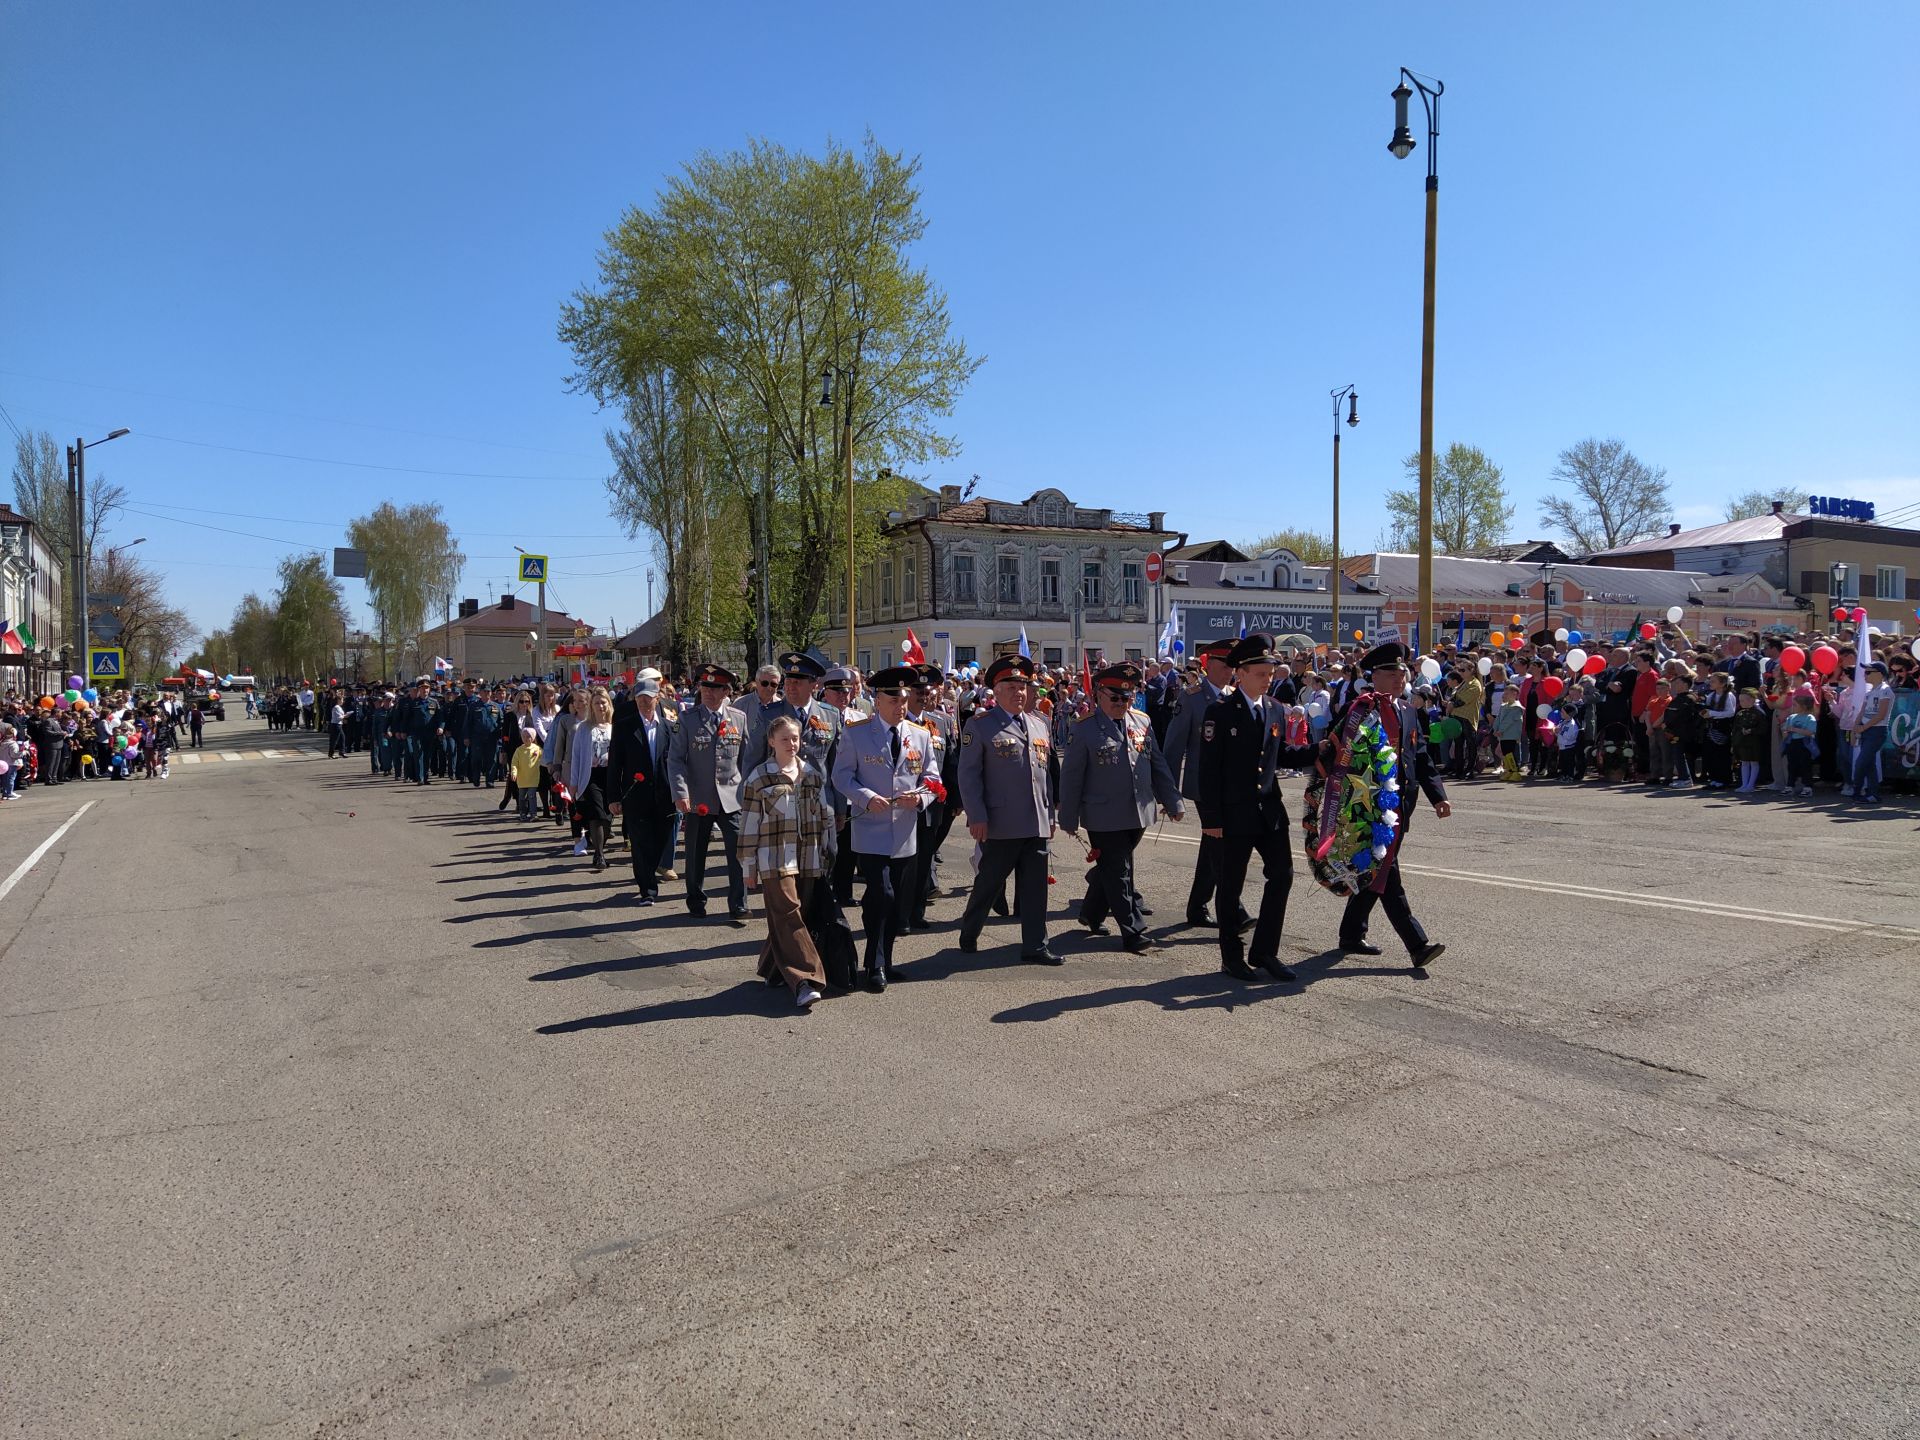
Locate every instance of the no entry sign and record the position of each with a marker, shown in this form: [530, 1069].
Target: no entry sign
[1155, 568]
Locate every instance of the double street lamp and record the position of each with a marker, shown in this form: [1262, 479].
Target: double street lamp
[1352, 397]
[77, 513]
[1401, 146]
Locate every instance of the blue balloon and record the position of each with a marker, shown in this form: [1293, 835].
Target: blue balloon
[1389, 800]
[89, 695]
[1574, 638]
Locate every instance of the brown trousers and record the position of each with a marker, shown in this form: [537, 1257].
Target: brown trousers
[789, 949]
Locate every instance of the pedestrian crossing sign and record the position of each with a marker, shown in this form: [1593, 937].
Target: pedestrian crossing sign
[106, 662]
[533, 569]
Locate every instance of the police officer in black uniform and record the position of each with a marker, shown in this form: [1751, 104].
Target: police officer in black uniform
[1243, 749]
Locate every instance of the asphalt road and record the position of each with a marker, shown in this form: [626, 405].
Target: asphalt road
[337, 1108]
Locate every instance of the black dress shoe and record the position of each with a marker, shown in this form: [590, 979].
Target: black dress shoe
[919, 925]
[876, 981]
[1200, 919]
[1146, 910]
[1247, 922]
[970, 944]
[895, 974]
[1238, 969]
[1040, 957]
[1271, 964]
[999, 907]
[1099, 929]
[1140, 945]
[1430, 952]
[1359, 947]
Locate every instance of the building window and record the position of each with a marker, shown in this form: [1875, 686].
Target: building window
[886, 583]
[910, 579]
[1008, 589]
[1890, 582]
[1130, 582]
[1090, 582]
[866, 662]
[1051, 655]
[964, 655]
[1049, 582]
[1133, 653]
[963, 590]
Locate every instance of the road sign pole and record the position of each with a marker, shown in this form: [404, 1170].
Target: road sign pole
[540, 653]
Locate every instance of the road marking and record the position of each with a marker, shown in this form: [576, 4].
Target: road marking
[20, 870]
[1707, 909]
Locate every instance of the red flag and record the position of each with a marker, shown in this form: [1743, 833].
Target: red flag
[914, 653]
[1086, 672]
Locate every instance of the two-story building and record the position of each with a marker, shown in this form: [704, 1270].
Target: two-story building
[967, 574]
[494, 642]
[31, 602]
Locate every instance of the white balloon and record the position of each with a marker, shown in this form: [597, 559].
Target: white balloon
[1674, 612]
[1576, 657]
[1915, 647]
[906, 647]
[1429, 669]
[1543, 711]
[1485, 667]
[1561, 634]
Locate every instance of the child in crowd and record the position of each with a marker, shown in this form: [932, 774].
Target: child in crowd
[1749, 739]
[523, 775]
[1682, 718]
[12, 756]
[1801, 730]
[1510, 728]
[1567, 740]
[1659, 748]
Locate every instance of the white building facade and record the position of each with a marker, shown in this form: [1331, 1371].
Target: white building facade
[968, 574]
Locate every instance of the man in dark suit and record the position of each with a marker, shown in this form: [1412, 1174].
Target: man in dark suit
[1183, 758]
[1388, 664]
[637, 774]
[1243, 750]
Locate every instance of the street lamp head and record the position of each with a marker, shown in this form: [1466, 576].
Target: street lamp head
[116, 434]
[1353, 408]
[1402, 142]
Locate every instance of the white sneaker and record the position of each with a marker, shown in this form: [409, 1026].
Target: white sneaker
[804, 997]
[1804, 790]
[580, 846]
[1847, 790]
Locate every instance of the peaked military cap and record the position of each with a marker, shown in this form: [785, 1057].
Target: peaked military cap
[714, 675]
[930, 676]
[1251, 650]
[1018, 667]
[895, 680]
[1390, 656]
[837, 675]
[796, 665]
[1125, 673]
[1216, 650]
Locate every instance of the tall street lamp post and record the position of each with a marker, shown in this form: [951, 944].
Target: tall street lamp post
[1352, 397]
[77, 511]
[1401, 145]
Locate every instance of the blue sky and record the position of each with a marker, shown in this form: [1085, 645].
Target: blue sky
[344, 232]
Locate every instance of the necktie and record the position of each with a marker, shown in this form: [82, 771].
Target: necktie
[896, 746]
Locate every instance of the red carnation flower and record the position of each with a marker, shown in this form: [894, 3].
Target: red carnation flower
[935, 788]
[1092, 856]
[700, 809]
[638, 777]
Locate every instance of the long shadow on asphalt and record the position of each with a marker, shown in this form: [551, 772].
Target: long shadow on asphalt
[626, 964]
[1213, 990]
[751, 998]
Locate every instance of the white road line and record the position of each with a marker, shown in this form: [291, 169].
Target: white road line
[20, 870]
[1707, 909]
[270, 754]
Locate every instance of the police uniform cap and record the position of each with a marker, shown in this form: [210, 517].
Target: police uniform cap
[796, 665]
[930, 676]
[1390, 656]
[1216, 650]
[1018, 667]
[714, 675]
[1125, 673]
[895, 680]
[837, 675]
[1251, 650]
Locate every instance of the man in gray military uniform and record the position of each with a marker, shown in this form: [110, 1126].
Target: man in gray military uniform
[1110, 777]
[819, 722]
[1183, 758]
[703, 767]
[1008, 797]
[937, 819]
[881, 765]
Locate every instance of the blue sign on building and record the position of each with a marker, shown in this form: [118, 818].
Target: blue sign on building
[1840, 509]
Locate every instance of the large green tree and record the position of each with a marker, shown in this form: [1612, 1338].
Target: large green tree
[413, 566]
[309, 617]
[757, 284]
[1616, 497]
[1470, 506]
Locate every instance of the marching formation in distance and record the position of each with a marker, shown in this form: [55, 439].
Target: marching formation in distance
[811, 780]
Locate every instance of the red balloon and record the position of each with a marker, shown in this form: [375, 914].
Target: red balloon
[1552, 687]
[1793, 659]
[1514, 642]
[1595, 664]
[1826, 659]
[1649, 630]
[1840, 614]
